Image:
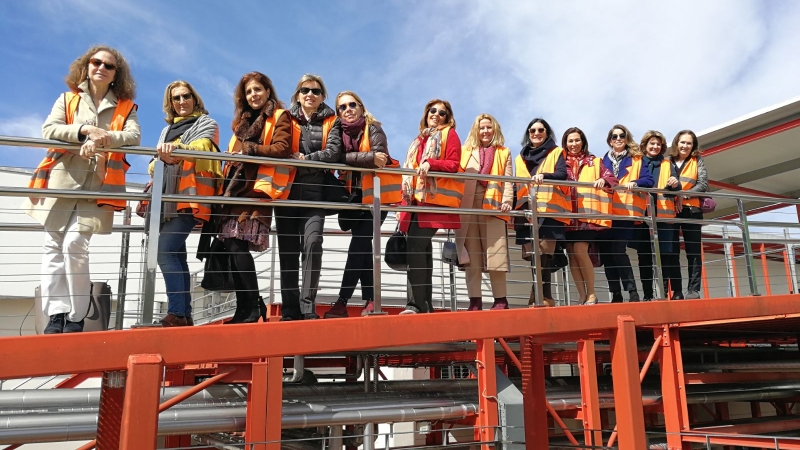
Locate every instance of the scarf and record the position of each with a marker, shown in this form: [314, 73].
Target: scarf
[616, 160]
[350, 132]
[251, 123]
[432, 150]
[533, 157]
[486, 157]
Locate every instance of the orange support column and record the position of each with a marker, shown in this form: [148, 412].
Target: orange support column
[673, 389]
[139, 429]
[487, 392]
[627, 388]
[109, 416]
[765, 270]
[533, 394]
[264, 403]
[590, 402]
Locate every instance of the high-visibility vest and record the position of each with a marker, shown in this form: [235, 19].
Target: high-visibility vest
[549, 199]
[449, 191]
[493, 197]
[116, 165]
[196, 184]
[592, 200]
[689, 180]
[391, 184]
[665, 206]
[630, 204]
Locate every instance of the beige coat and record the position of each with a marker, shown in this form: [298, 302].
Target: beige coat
[499, 249]
[73, 172]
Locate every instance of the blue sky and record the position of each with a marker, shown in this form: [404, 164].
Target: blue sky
[661, 65]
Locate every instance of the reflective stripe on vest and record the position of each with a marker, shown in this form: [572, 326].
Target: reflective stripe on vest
[493, 198]
[449, 191]
[630, 204]
[688, 179]
[194, 184]
[116, 164]
[665, 207]
[592, 200]
[391, 184]
[271, 180]
[549, 199]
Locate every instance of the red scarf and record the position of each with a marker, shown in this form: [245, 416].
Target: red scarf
[486, 157]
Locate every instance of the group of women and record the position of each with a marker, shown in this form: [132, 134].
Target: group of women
[98, 112]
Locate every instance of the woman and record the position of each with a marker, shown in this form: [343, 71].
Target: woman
[436, 149]
[585, 168]
[687, 162]
[365, 146]
[624, 159]
[261, 127]
[542, 157]
[654, 145]
[316, 136]
[98, 113]
[482, 241]
[189, 127]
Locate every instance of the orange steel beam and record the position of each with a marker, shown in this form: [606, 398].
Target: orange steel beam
[139, 430]
[590, 401]
[752, 137]
[703, 274]
[788, 272]
[533, 393]
[510, 353]
[745, 442]
[627, 388]
[274, 403]
[75, 380]
[487, 392]
[765, 271]
[193, 345]
[256, 419]
[739, 377]
[673, 388]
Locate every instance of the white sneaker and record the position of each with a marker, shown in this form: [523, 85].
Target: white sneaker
[407, 311]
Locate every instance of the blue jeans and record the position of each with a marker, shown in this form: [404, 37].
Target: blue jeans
[173, 265]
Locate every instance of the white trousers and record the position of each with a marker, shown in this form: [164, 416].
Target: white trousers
[66, 285]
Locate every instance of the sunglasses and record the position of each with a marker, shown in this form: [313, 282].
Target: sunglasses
[352, 105]
[177, 98]
[97, 63]
[615, 136]
[315, 91]
[536, 130]
[441, 112]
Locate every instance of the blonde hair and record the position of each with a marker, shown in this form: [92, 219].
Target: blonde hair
[650, 135]
[630, 144]
[451, 121]
[370, 119]
[473, 139]
[167, 106]
[306, 78]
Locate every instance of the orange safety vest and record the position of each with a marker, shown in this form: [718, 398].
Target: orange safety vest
[665, 206]
[630, 204]
[493, 196]
[449, 191]
[196, 184]
[689, 180]
[391, 184]
[549, 199]
[592, 200]
[271, 180]
[116, 164]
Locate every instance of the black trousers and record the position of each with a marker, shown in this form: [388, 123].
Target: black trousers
[612, 247]
[244, 272]
[359, 260]
[299, 239]
[419, 294]
[692, 245]
[644, 248]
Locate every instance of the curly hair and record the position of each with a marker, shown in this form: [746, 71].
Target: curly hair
[630, 143]
[123, 85]
[653, 134]
[240, 99]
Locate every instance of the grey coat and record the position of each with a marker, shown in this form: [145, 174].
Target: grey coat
[73, 172]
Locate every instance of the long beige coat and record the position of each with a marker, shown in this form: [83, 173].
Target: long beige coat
[498, 250]
[73, 172]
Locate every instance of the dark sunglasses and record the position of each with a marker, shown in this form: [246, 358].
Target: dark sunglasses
[536, 130]
[352, 105]
[177, 98]
[315, 91]
[615, 136]
[97, 63]
[441, 112]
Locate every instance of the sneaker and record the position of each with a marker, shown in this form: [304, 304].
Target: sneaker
[56, 324]
[409, 310]
[339, 310]
[693, 295]
[616, 297]
[369, 308]
[633, 296]
[310, 316]
[73, 327]
[171, 320]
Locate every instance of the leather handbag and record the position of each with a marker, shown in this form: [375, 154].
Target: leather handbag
[395, 252]
[449, 251]
[142, 206]
[218, 275]
[707, 205]
[333, 191]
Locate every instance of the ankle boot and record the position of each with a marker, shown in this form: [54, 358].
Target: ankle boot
[500, 303]
[240, 308]
[262, 308]
[252, 310]
[475, 304]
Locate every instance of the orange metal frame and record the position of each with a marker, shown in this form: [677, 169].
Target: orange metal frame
[144, 353]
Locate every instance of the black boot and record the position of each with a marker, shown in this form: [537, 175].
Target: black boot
[252, 311]
[240, 310]
[262, 308]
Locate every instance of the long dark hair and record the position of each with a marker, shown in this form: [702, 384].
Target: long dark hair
[584, 141]
[526, 138]
[240, 99]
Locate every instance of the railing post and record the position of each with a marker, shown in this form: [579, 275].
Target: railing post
[536, 262]
[790, 254]
[487, 392]
[658, 278]
[590, 397]
[151, 258]
[533, 394]
[748, 249]
[673, 388]
[122, 287]
[273, 253]
[627, 387]
[376, 243]
[729, 262]
[109, 415]
[139, 430]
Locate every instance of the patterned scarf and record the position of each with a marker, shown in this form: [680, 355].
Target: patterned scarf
[486, 156]
[433, 150]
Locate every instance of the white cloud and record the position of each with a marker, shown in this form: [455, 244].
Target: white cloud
[26, 126]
